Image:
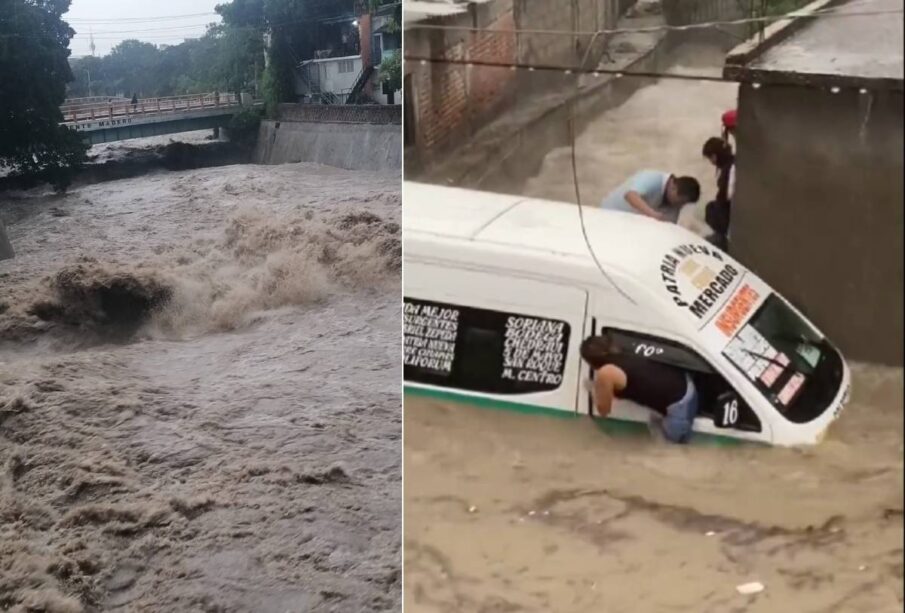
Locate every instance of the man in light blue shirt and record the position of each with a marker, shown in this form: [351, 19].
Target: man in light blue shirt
[656, 194]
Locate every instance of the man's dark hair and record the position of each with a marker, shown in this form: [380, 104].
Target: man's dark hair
[716, 146]
[595, 349]
[689, 188]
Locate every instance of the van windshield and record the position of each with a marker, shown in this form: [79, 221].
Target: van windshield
[793, 365]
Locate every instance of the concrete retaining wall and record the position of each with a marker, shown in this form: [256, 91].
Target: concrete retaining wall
[353, 146]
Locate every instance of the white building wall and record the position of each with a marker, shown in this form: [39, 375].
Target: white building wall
[338, 74]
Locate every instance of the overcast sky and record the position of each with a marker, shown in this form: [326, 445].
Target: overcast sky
[159, 22]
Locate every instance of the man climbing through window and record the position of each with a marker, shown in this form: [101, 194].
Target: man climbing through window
[667, 391]
[658, 195]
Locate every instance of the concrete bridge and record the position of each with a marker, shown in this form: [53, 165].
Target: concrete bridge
[104, 121]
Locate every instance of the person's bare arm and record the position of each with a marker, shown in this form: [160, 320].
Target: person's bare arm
[638, 203]
[603, 395]
[607, 381]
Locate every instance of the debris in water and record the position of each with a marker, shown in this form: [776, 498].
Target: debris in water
[755, 587]
[710, 533]
[472, 509]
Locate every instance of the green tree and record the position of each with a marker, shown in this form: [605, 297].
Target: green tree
[133, 63]
[34, 70]
[292, 27]
[391, 71]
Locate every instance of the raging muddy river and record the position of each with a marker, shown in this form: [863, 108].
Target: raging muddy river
[509, 512]
[199, 393]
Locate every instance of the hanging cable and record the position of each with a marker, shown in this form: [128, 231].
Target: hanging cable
[594, 72]
[584, 231]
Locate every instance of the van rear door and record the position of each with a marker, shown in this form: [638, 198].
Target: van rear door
[492, 335]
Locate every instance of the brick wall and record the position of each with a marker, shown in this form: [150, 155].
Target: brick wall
[488, 86]
[351, 113]
[451, 102]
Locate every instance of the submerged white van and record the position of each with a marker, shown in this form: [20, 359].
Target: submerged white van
[500, 291]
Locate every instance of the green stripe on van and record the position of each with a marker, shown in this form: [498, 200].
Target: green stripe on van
[618, 427]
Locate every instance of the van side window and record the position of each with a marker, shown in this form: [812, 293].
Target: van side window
[718, 399]
[483, 350]
[660, 349]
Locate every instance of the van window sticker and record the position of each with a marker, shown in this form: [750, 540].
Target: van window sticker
[482, 349]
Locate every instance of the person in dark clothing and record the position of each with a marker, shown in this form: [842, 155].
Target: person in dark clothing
[667, 391]
[717, 212]
[134, 102]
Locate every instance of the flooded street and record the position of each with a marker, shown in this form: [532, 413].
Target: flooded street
[512, 512]
[663, 126]
[199, 393]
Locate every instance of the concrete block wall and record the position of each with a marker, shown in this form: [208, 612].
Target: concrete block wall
[549, 49]
[341, 113]
[684, 12]
[818, 211]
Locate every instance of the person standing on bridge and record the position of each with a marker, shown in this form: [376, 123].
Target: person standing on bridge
[659, 195]
[667, 391]
[134, 101]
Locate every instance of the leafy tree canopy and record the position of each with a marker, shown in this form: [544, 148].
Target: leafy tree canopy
[34, 48]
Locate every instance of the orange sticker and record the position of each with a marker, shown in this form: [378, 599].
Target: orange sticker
[736, 311]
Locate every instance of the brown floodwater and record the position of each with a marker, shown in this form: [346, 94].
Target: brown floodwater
[199, 394]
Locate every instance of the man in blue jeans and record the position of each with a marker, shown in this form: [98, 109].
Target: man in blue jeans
[655, 194]
[667, 391]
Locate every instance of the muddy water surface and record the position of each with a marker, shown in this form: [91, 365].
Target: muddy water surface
[507, 512]
[199, 399]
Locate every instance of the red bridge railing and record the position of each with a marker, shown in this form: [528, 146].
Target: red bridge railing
[118, 107]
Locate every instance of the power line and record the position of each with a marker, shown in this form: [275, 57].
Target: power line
[595, 72]
[136, 19]
[819, 14]
[161, 29]
[567, 70]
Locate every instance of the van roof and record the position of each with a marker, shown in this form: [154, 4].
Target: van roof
[622, 241]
